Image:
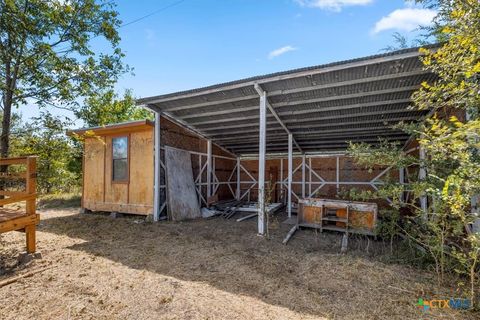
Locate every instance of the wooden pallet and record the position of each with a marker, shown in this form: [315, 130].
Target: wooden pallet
[23, 219]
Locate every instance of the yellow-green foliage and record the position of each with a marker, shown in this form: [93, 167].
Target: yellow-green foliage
[452, 147]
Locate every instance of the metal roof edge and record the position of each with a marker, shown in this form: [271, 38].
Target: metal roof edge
[147, 100]
[121, 125]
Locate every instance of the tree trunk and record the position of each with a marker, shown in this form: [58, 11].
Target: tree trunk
[7, 112]
[6, 121]
[5, 134]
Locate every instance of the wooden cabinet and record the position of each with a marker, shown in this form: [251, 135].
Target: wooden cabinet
[338, 215]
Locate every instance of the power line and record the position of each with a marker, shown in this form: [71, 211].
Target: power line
[153, 13]
[144, 17]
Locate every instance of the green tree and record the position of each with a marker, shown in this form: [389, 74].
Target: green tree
[107, 108]
[447, 229]
[57, 156]
[46, 55]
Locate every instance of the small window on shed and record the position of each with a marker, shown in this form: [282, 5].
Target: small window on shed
[120, 159]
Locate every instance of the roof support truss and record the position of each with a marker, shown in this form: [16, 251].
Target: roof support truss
[261, 93]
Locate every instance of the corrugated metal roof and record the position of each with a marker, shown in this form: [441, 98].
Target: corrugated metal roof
[323, 106]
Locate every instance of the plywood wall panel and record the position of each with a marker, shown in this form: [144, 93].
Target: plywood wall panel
[141, 168]
[93, 190]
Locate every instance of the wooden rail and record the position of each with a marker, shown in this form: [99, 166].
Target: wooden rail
[24, 219]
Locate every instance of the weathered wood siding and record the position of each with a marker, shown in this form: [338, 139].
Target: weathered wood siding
[93, 172]
[100, 193]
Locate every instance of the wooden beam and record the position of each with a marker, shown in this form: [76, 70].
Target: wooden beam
[9, 161]
[30, 238]
[19, 222]
[30, 198]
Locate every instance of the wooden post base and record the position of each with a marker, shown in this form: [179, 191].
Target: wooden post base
[30, 237]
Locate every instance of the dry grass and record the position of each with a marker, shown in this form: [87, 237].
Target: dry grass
[206, 269]
[56, 201]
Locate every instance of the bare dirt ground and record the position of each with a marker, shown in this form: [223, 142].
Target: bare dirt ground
[104, 268]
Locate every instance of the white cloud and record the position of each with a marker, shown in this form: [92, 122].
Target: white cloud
[280, 51]
[407, 19]
[151, 37]
[332, 5]
[150, 34]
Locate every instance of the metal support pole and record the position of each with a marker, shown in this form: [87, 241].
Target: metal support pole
[401, 178]
[261, 163]
[209, 169]
[290, 169]
[214, 176]
[422, 175]
[200, 187]
[238, 179]
[338, 174]
[303, 176]
[281, 181]
[157, 169]
[309, 177]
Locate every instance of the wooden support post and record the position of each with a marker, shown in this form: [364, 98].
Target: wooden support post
[290, 169]
[30, 235]
[239, 170]
[31, 204]
[157, 170]
[209, 169]
[261, 164]
[31, 186]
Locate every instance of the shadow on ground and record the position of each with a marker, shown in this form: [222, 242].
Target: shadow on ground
[306, 276]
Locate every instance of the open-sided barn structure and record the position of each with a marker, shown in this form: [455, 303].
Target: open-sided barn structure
[286, 132]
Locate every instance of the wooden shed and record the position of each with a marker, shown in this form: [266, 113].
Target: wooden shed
[118, 164]
[118, 167]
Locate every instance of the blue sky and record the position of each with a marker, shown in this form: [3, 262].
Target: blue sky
[202, 42]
